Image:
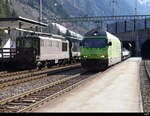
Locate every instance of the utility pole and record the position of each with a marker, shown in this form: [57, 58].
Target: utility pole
[114, 4]
[135, 7]
[40, 13]
[136, 31]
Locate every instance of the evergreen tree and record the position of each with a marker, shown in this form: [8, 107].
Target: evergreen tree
[5, 10]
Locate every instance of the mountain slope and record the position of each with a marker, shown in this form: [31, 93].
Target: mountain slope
[70, 8]
[98, 7]
[5, 10]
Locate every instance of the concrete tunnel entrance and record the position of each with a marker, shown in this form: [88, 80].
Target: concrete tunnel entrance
[145, 50]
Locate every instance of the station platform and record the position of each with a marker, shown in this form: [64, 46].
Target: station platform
[116, 90]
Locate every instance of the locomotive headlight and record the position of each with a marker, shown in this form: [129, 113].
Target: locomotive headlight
[85, 56]
[102, 56]
[37, 57]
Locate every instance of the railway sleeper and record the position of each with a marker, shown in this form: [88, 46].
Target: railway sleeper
[19, 104]
[32, 98]
[29, 101]
[11, 109]
[38, 96]
[24, 80]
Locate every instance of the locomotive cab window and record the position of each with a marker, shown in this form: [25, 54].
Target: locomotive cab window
[27, 43]
[24, 43]
[42, 43]
[50, 43]
[64, 47]
[57, 44]
[94, 43]
[75, 47]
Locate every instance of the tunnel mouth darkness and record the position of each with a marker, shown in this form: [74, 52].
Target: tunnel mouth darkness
[129, 45]
[145, 51]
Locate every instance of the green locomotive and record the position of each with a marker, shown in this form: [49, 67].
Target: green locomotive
[100, 50]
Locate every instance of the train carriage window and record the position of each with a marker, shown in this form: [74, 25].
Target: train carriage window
[57, 44]
[42, 43]
[64, 46]
[49, 43]
[52, 43]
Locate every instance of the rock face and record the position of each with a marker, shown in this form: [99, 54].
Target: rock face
[68, 8]
[72, 8]
[97, 7]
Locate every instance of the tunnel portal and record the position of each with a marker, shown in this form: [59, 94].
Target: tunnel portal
[145, 50]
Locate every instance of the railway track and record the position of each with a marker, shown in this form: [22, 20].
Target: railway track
[29, 100]
[32, 75]
[145, 84]
[8, 74]
[3, 72]
[147, 68]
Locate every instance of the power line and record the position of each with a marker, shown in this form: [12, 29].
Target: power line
[99, 18]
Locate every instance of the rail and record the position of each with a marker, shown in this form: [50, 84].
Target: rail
[147, 68]
[37, 93]
[34, 75]
[145, 85]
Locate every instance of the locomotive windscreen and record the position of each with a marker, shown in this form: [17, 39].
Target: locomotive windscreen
[27, 43]
[94, 43]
